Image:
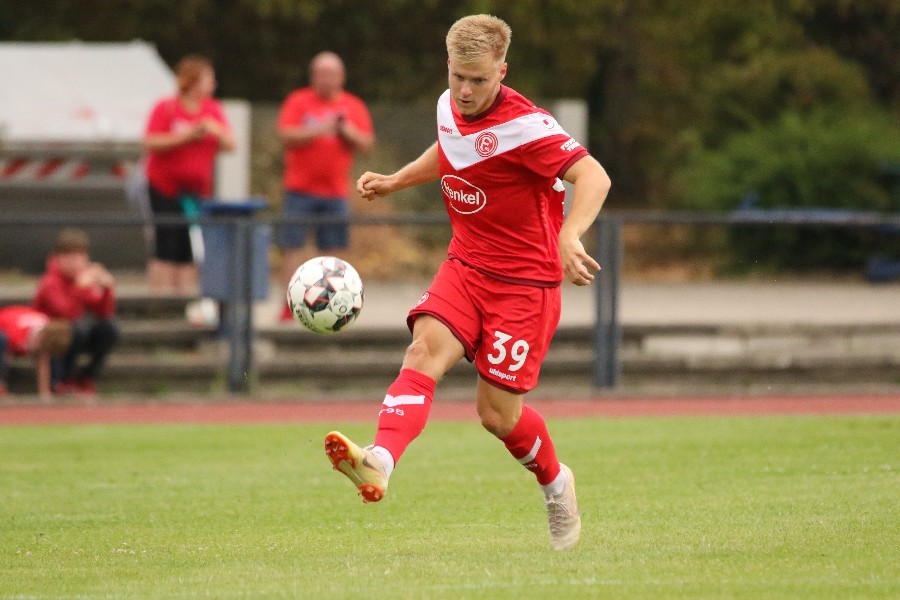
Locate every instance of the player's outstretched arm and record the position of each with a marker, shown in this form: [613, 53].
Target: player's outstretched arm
[591, 187]
[422, 170]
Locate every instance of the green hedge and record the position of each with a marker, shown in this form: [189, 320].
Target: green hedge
[822, 160]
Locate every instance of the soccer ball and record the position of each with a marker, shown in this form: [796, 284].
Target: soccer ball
[325, 294]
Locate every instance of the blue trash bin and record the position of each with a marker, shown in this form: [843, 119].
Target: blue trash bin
[220, 244]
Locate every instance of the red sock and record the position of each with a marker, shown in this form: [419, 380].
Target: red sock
[404, 412]
[530, 444]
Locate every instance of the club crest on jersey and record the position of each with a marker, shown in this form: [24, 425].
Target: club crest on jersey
[462, 196]
[486, 143]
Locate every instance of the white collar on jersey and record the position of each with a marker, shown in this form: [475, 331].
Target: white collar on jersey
[466, 150]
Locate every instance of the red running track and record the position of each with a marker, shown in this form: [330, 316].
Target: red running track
[231, 411]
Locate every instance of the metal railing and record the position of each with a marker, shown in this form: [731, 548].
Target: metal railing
[609, 253]
[237, 317]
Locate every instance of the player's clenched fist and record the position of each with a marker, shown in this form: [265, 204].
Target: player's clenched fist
[373, 185]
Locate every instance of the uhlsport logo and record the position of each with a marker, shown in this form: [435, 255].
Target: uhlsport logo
[464, 197]
[486, 143]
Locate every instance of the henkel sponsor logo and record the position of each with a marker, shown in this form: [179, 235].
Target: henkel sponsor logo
[463, 197]
[486, 143]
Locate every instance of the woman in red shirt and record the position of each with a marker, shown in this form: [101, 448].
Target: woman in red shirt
[183, 136]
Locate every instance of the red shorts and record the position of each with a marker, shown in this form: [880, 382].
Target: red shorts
[505, 328]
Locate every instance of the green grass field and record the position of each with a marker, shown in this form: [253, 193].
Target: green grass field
[750, 507]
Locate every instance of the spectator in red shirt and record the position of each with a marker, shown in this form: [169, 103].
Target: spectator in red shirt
[320, 126]
[82, 292]
[184, 134]
[25, 331]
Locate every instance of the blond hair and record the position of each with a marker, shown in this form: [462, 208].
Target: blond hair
[472, 38]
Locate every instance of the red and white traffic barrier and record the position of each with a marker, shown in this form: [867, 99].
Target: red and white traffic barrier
[26, 169]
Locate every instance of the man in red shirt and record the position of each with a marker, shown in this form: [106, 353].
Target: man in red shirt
[320, 127]
[25, 331]
[496, 299]
[82, 292]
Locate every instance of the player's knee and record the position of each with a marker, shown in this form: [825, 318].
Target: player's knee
[495, 422]
[416, 351]
[493, 425]
[418, 355]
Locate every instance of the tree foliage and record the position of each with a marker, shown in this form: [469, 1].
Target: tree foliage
[821, 159]
[675, 89]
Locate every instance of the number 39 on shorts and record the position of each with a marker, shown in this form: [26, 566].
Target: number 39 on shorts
[517, 351]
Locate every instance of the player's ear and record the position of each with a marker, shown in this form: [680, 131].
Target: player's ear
[503, 71]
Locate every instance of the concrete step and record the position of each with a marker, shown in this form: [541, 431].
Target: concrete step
[160, 356]
[647, 337]
[131, 305]
[162, 334]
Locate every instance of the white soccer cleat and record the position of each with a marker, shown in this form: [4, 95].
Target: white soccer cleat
[563, 515]
[360, 466]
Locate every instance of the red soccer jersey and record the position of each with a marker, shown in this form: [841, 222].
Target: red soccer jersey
[187, 169]
[20, 324]
[500, 183]
[322, 166]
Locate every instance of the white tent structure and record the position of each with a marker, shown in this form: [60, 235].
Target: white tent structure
[72, 115]
[72, 94]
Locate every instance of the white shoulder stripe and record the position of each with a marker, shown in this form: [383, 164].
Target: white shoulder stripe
[461, 150]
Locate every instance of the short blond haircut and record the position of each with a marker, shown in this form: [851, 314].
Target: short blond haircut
[472, 38]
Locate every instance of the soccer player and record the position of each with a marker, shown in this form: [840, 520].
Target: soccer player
[496, 299]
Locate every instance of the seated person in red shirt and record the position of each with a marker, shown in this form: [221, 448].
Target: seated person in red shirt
[25, 331]
[82, 292]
